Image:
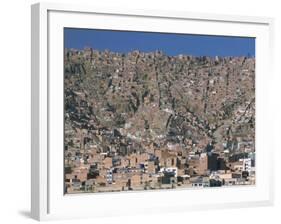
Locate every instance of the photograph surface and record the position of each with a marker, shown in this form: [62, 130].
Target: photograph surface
[155, 111]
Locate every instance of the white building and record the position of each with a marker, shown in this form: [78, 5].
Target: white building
[247, 164]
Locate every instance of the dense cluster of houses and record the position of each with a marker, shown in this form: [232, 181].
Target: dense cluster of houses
[142, 121]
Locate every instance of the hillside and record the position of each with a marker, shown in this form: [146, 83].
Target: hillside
[145, 98]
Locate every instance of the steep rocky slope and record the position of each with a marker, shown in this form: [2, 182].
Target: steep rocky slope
[129, 99]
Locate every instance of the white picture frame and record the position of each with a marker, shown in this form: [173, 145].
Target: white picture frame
[47, 198]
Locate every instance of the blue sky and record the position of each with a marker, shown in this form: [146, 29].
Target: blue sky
[170, 44]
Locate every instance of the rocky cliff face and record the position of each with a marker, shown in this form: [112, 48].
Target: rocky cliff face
[128, 99]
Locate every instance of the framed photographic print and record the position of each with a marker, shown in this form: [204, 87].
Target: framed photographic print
[148, 111]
